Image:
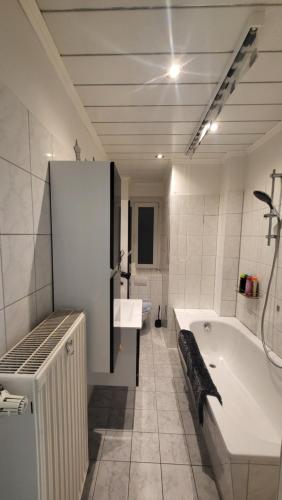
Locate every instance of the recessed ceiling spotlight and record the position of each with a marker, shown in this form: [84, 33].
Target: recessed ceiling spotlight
[174, 70]
[49, 155]
[214, 127]
[159, 156]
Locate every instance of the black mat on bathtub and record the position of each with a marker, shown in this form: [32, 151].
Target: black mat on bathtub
[197, 372]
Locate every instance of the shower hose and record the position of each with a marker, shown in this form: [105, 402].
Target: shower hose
[275, 256]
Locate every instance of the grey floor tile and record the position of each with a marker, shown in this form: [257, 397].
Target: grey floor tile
[112, 481]
[163, 370]
[177, 370]
[178, 482]
[98, 418]
[166, 401]
[180, 384]
[145, 400]
[161, 358]
[173, 449]
[185, 402]
[117, 446]
[95, 444]
[146, 369]
[173, 355]
[205, 484]
[146, 383]
[146, 358]
[90, 481]
[190, 423]
[120, 419]
[170, 422]
[101, 398]
[145, 421]
[165, 384]
[145, 447]
[197, 450]
[145, 482]
[123, 398]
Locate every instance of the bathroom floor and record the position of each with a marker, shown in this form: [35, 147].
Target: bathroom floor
[144, 444]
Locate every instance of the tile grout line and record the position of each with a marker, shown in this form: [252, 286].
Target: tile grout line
[32, 210]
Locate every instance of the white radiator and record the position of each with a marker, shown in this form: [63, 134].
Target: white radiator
[44, 452]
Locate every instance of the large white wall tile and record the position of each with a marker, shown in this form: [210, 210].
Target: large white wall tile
[210, 225]
[20, 319]
[18, 266]
[15, 200]
[208, 265]
[43, 261]
[40, 148]
[240, 480]
[14, 144]
[232, 246]
[43, 303]
[207, 285]
[233, 224]
[211, 205]
[209, 245]
[234, 202]
[194, 245]
[41, 206]
[3, 346]
[1, 281]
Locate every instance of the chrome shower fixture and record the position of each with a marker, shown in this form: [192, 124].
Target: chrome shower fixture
[262, 196]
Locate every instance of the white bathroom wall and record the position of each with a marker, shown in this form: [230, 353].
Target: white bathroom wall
[125, 182]
[193, 213]
[255, 255]
[229, 235]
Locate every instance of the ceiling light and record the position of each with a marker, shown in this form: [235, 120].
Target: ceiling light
[214, 127]
[243, 57]
[174, 70]
[159, 156]
[49, 155]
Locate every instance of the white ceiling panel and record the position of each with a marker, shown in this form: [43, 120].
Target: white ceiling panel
[241, 113]
[270, 36]
[129, 95]
[145, 114]
[105, 4]
[147, 31]
[145, 128]
[267, 68]
[224, 148]
[257, 93]
[145, 68]
[247, 127]
[145, 139]
[148, 148]
[231, 138]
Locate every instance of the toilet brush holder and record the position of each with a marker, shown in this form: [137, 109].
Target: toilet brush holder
[158, 322]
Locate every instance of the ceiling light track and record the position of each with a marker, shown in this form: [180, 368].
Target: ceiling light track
[244, 56]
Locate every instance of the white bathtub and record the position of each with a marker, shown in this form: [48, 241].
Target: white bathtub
[243, 435]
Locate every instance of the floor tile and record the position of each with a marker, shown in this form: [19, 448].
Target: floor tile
[173, 449]
[180, 384]
[163, 370]
[112, 481]
[160, 358]
[98, 418]
[173, 355]
[191, 424]
[146, 383]
[123, 398]
[165, 384]
[145, 482]
[120, 419]
[90, 481]
[95, 444]
[197, 450]
[205, 485]
[170, 422]
[145, 447]
[145, 400]
[146, 369]
[117, 446]
[166, 401]
[101, 398]
[145, 421]
[178, 482]
[185, 402]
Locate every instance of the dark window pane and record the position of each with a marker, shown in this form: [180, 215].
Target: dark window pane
[145, 235]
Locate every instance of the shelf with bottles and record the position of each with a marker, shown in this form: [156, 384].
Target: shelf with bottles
[248, 296]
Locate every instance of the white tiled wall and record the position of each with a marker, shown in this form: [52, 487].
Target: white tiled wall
[255, 256]
[192, 258]
[228, 250]
[25, 240]
[147, 285]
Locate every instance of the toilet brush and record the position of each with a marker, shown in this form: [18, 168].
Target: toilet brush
[158, 322]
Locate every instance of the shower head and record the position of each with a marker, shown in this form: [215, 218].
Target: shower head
[262, 196]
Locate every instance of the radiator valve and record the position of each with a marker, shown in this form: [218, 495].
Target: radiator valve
[11, 404]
